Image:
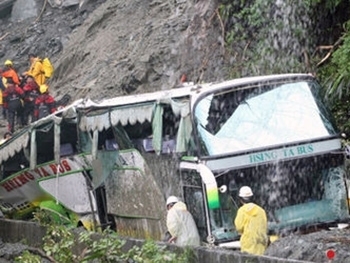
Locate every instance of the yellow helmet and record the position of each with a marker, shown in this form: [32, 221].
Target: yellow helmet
[8, 63]
[43, 88]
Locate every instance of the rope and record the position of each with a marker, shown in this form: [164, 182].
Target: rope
[1, 38]
[41, 12]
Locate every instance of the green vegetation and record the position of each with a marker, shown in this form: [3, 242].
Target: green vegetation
[264, 37]
[59, 244]
[107, 246]
[335, 76]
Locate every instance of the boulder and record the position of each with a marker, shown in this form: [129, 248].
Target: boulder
[65, 3]
[24, 9]
[5, 7]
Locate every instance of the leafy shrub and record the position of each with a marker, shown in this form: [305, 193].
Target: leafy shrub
[102, 247]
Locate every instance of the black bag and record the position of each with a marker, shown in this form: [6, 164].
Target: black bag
[63, 101]
[43, 110]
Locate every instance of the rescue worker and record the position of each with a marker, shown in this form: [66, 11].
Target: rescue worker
[180, 224]
[10, 72]
[36, 69]
[44, 104]
[12, 97]
[31, 92]
[251, 223]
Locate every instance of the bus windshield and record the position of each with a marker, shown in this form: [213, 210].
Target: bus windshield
[258, 116]
[295, 194]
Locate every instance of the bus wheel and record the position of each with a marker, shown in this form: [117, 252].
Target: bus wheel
[111, 222]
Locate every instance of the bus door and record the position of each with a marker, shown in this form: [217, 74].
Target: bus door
[211, 206]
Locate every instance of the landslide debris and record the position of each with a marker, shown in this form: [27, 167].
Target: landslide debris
[138, 46]
[113, 47]
[313, 247]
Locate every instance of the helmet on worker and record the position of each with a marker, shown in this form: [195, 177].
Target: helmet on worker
[8, 63]
[43, 88]
[245, 192]
[171, 200]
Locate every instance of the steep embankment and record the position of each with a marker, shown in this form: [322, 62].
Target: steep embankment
[113, 47]
[136, 46]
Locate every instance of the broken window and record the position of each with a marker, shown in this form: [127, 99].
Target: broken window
[261, 116]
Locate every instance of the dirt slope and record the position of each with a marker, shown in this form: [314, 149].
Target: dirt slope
[136, 46]
[122, 47]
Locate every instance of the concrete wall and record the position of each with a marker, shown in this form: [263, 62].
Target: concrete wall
[13, 231]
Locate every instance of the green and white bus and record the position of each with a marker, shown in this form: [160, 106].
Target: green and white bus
[114, 162]
[275, 135]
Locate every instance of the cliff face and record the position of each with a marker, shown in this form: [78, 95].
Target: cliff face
[110, 47]
[137, 46]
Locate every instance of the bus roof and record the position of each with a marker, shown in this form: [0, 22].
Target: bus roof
[21, 138]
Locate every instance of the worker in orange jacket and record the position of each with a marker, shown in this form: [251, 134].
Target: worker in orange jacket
[10, 72]
[36, 70]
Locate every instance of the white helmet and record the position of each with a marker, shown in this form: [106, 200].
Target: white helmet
[172, 199]
[245, 191]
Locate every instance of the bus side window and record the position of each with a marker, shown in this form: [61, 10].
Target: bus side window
[66, 149]
[111, 145]
[168, 145]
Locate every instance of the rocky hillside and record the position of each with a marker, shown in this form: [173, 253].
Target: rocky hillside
[136, 46]
[122, 46]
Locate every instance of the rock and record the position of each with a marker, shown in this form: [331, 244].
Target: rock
[24, 9]
[67, 3]
[5, 7]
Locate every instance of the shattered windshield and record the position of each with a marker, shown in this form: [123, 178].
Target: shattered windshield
[295, 194]
[261, 116]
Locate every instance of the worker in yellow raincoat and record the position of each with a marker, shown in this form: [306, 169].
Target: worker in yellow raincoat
[36, 69]
[251, 223]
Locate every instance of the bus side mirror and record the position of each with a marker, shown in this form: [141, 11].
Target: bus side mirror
[223, 189]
